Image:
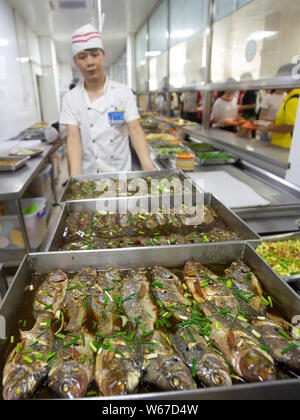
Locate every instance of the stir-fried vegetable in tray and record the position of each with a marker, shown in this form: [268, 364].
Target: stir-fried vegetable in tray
[282, 256]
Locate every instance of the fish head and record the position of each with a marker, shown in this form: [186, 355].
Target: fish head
[176, 375]
[120, 382]
[69, 381]
[59, 276]
[252, 363]
[216, 373]
[255, 367]
[19, 383]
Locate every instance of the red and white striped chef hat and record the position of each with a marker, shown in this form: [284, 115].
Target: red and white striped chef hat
[85, 38]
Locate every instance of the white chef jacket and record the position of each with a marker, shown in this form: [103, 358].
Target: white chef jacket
[105, 144]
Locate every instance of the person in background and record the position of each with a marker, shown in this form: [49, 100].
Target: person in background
[200, 100]
[269, 109]
[100, 114]
[282, 131]
[161, 103]
[225, 109]
[173, 105]
[248, 112]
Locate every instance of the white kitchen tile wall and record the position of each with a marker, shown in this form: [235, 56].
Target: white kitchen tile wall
[18, 106]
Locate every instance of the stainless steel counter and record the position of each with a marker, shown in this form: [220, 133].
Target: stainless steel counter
[264, 155]
[263, 170]
[12, 187]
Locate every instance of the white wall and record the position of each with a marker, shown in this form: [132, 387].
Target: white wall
[18, 106]
[49, 86]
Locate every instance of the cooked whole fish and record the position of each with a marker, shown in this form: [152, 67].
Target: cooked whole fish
[163, 368]
[103, 293]
[211, 368]
[246, 282]
[167, 288]
[215, 291]
[73, 367]
[51, 293]
[24, 372]
[77, 295]
[137, 302]
[238, 345]
[117, 372]
[276, 336]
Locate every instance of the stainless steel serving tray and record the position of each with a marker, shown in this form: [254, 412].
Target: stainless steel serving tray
[286, 299]
[228, 216]
[34, 153]
[115, 176]
[14, 167]
[280, 238]
[205, 148]
[185, 149]
[214, 162]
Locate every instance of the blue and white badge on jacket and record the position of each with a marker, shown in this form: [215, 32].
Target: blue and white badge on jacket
[116, 117]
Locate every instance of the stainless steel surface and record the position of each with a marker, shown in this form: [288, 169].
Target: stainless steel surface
[273, 219]
[214, 162]
[116, 176]
[22, 224]
[251, 150]
[13, 186]
[282, 82]
[287, 300]
[285, 237]
[263, 186]
[185, 149]
[232, 220]
[13, 167]
[265, 155]
[34, 153]
[3, 282]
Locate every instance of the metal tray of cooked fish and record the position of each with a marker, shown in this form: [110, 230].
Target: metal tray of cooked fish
[85, 225]
[122, 184]
[282, 253]
[181, 323]
[12, 164]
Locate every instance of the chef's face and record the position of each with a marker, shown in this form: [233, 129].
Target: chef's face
[90, 63]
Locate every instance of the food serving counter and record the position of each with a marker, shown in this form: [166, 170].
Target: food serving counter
[287, 384]
[264, 155]
[262, 169]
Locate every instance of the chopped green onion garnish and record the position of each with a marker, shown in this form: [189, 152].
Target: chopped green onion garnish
[93, 347]
[50, 356]
[27, 359]
[284, 334]
[194, 368]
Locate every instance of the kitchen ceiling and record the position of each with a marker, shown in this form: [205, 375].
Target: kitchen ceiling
[60, 18]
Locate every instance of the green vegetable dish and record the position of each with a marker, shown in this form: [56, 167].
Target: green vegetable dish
[283, 257]
[214, 155]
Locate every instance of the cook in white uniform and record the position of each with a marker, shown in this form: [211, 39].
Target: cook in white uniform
[100, 114]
